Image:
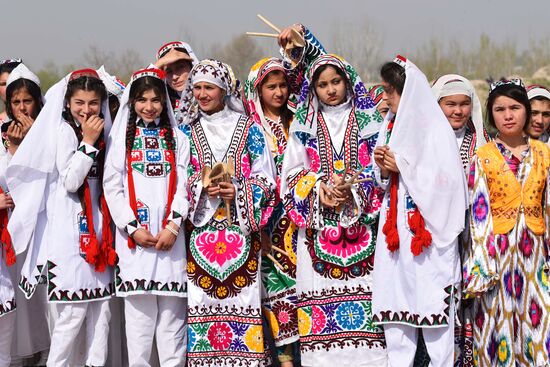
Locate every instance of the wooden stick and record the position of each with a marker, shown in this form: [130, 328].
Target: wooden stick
[361, 180]
[277, 264]
[260, 34]
[228, 202]
[271, 25]
[278, 249]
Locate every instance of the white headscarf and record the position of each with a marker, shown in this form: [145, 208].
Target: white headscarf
[452, 84]
[217, 73]
[22, 72]
[178, 44]
[112, 83]
[537, 91]
[427, 157]
[31, 174]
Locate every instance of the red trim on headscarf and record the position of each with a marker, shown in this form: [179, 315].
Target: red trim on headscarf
[84, 72]
[5, 237]
[172, 181]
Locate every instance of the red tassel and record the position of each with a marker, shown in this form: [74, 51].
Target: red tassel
[422, 237]
[107, 249]
[390, 227]
[5, 236]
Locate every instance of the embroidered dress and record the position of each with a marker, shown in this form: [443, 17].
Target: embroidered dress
[225, 316]
[507, 270]
[146, 270]
[335, 250]
[279, 298]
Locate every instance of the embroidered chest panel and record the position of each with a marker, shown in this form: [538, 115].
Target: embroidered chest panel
[150, 155]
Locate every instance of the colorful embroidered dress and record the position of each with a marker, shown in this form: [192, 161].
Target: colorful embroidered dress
[335, 250]
[225, 315]
[507, 270]
[279, 299]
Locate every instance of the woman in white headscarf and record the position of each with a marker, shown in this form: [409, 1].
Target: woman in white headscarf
[458, 99]
[227, 211]
[417, 267]
[61, 214]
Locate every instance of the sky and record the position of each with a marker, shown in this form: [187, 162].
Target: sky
[59, 31]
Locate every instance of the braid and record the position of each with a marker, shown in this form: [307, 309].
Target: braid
[131, 130]
[169, 132]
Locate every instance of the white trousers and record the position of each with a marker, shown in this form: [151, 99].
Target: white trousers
[95, 316]
[7, 327]
[401, 341]
[161, 317]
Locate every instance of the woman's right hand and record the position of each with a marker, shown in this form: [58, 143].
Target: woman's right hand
[6, 202]
[91, 129]
[287, 35]
[144, 238]
[213, 191]
[379, 154]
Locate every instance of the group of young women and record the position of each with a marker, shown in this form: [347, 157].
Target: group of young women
[302, 219]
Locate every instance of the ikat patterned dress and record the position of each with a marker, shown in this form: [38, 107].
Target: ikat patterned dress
[225, 314]
[508, 273]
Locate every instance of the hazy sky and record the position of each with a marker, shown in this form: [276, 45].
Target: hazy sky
[60, 30]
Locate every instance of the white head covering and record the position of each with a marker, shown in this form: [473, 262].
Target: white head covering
[112, 83]
[452, 84]
[31, 173]
[116, 143]
[217, 73]
[537, 91]
[427, 157]
[22, 72]
[178, 44]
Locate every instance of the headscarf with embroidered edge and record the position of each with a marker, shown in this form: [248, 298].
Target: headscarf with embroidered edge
[178, 44]
[119, 157]
[376, 93]
[368, 118]
[427, 157]
[217, 73]
[114, 85]
[452, 84]
[31, 176]
[253, 103]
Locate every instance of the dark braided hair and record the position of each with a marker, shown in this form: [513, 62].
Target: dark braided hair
[31, 87]
[88, 84]
[138, 88]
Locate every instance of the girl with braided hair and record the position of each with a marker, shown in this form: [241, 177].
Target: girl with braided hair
[145, 184]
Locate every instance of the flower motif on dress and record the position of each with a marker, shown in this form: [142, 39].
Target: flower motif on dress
[219, 247]
[304, 186]
[518, 282]
[339, 165]
[350, 315]
[542, 274]
[286, 316]
[491, 249]
[480, 208]
[304, 323]
[191, 339]
[256, 141]
[245, 166]
[503, 351]
[502, 242]
[254, 338]
[304, 92]
[319, 320]
[220, 335]
[364, 154]
[314, 159]
[535, 313]
[362, 98]
[344, 242]
[295, 216]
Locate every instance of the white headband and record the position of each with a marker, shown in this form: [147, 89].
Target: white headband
[538, 92]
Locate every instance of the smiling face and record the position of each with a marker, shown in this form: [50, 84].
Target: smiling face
[22, 103]
[84, 104]
[209, 96]
[509, 116]
[177, 73]
[274, 91]
[330, 87]
[540, 117]
[148, 105]
[457, 108]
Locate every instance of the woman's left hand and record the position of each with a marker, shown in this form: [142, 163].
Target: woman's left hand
[389, 161]
[227, 190]
[165, 240]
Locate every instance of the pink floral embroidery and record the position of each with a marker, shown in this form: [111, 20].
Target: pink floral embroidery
[364, 156]
[526, 245]
[315, 160]
[535, 313]
[502, 242]
[245, 166]
[220, 246]
[491, 246]
[195, 163]
[319, 320]
[220, 336]
[344, 242]
[297, 218]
